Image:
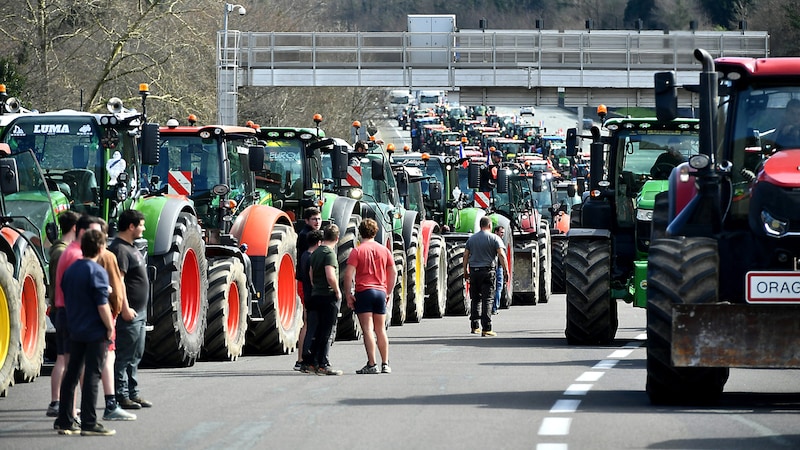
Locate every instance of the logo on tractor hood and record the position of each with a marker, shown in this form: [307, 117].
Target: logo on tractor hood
[51, 128]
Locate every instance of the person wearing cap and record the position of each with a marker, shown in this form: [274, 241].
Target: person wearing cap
[497, 156]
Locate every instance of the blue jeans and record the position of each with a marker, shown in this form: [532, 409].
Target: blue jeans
[130, 348]
[498, 274]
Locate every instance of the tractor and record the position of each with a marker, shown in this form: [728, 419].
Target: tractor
[723, 276]
[608, 240]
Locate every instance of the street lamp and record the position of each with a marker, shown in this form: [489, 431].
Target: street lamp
[229, 7]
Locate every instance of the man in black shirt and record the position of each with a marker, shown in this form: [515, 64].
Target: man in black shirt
[313, 220]
[131, 334]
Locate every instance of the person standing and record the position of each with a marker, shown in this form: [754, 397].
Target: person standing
[371, 266]
[66, 222]
[131, 333]
[500, 231]
[314, 237]
[482, 250]
[323, 307]
[86, 288]
[313, 220]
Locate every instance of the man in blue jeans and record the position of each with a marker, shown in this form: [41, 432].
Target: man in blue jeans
[498, 293]
[131, 334]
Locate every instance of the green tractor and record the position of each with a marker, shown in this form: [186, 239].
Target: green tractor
[96, 161]
[250, 244]
[28, 211]
[609, 238]
[295, 178]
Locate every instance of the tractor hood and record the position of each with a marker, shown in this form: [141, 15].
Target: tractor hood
[647, 197]
[782, 169]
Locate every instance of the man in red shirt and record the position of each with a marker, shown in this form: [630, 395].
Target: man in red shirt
[372, 267]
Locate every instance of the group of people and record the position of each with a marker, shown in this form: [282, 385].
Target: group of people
[369, 280]
[99, 311]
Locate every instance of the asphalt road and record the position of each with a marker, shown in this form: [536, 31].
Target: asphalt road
[524, 389]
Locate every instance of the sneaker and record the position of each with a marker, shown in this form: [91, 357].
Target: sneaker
[97, 430]
[52, 409]
[495, 312]
[72, 428]
[298, 365]
[476, 330]
[328, 371]
[118, 414]
[126, 403]
[489, 333]
[367, 369]
[385, 368]
[307, 368]
[142, 402]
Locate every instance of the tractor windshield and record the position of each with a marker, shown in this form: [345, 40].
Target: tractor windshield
[283, 174]
[189, 165]
[653, 153]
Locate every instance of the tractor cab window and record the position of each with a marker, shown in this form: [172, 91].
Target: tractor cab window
[283, 169]
[189, 165]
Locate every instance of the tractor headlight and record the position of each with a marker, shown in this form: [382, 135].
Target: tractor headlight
[356, 193]
[645, 215]
[773, 226]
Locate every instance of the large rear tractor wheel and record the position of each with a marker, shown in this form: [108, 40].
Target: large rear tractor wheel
[400, 292]
[9, 323]
[545, 260]
[33, 323]
[180, 298]
[281, 309]
[680, 271]
[436, 278]
[558, 252]
[591, 312]
[348, 327]
[457, 299]
[227, 309]
[415, 274]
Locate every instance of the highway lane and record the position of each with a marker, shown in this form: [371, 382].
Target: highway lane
[524, 389]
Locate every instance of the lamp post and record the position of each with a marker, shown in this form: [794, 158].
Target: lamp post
[227, 71]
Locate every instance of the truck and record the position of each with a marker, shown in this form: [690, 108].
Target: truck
[250, 244]
[721, 278]
[295, 178]
[609, 239]
[96, 161]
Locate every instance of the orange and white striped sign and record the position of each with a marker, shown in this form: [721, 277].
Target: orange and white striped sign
[482, 199]
[180, 182]
[353, 177]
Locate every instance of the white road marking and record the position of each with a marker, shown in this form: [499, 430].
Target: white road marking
[565, 406]
[578, 389]
[620, 354]
[551, 447]
[555, 426]
[590, 376]
[641, 337]
[606, 364]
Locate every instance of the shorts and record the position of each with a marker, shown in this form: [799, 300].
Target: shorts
[371, 301]
[62, 331]
[112, 344]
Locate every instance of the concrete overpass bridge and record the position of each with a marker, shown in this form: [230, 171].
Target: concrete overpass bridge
[493, 67]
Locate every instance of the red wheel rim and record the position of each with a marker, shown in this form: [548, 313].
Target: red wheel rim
[287, 293]
[29, 315]
[190, 291]
[233, 311]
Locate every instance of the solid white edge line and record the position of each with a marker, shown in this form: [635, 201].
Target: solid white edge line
[551, 447]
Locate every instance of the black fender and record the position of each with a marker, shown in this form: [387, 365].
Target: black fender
[410, 218]
[167, 219]
[588, 233]
[342, 210]
[215, 251]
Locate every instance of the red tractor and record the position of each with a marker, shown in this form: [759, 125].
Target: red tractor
[723, 283]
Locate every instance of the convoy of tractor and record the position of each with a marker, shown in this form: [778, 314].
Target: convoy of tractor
[658, 214]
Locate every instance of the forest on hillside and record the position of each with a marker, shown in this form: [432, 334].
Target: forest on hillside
[78, 53]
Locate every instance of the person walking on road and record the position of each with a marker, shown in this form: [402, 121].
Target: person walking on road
[483, 249]
[131, 330]
[86, 288]
[371, 266]
[313, 220]
[498, 273]
[326, 298]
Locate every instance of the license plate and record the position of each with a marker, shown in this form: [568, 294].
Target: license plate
[773, 287]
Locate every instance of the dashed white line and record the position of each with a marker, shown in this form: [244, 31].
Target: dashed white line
[620, 354]
[590, 376]
[578, 389]
[606, 364]
[565, 406]
[551, 447]
[555, 426]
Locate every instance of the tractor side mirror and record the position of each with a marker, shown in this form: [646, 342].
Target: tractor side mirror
[339, 162]
[538, 184]
[150, 144]
[474, 176]
[502, 181]
[572, 141]
[377, 169]
[666, 96]
[255, 158]
[9, 180]
[435, 191]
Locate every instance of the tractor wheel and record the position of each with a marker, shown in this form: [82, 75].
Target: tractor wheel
[558, 253]
[575, 216]
[529, 297]
[400, 292]
[545, 260]
[281, 309]
[415, 274]
[347, 328]
[436, 278]
[227, 309]
[180, 298]
[591, 312]
[680, 270]
[33, 323]
[9, 323]
[457, 299]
